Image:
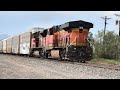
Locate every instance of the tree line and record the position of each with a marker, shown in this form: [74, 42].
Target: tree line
[105, 46]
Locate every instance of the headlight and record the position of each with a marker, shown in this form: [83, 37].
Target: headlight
[74, 48]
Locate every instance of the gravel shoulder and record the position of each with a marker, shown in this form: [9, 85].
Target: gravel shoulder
[19, 67]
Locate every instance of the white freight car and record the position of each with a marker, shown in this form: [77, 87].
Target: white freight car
[25, 43]
[9, 45]
[1, 46]
[15, 44]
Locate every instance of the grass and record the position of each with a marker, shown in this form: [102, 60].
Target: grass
[106, 61]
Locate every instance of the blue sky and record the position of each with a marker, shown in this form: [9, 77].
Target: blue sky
[14, 22]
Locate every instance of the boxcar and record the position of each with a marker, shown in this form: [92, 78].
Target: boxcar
[1, 46]
[15, 44]
[9, 45]
[25, 43]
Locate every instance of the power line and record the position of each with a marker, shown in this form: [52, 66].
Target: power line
[117, 15]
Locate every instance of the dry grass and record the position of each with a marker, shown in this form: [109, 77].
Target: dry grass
[106, 61]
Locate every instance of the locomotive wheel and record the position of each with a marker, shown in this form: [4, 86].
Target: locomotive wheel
[62, 56]
[77, 60]
[46, 55]
[40, 54]
[71, 60]
[82, 61]
[31, 53]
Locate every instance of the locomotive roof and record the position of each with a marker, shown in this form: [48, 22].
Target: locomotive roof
[71, 24]
[76, 24]
[44, 32]
[37, 29]
[6, 38]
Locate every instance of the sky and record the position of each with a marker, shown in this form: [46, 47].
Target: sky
[15, 22]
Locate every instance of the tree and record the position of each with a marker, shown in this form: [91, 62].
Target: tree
[110, 49]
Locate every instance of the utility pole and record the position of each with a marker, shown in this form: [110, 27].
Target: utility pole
[118, 22]
[105, 18]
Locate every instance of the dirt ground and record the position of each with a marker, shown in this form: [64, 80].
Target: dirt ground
[21, 67]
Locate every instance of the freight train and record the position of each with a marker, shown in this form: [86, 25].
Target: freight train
[68, 41]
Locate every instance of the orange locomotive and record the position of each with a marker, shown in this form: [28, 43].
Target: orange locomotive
[68, 41]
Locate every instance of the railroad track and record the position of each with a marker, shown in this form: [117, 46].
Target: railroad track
[111, 67]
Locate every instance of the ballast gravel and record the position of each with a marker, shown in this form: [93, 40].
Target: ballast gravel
[22, 67]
